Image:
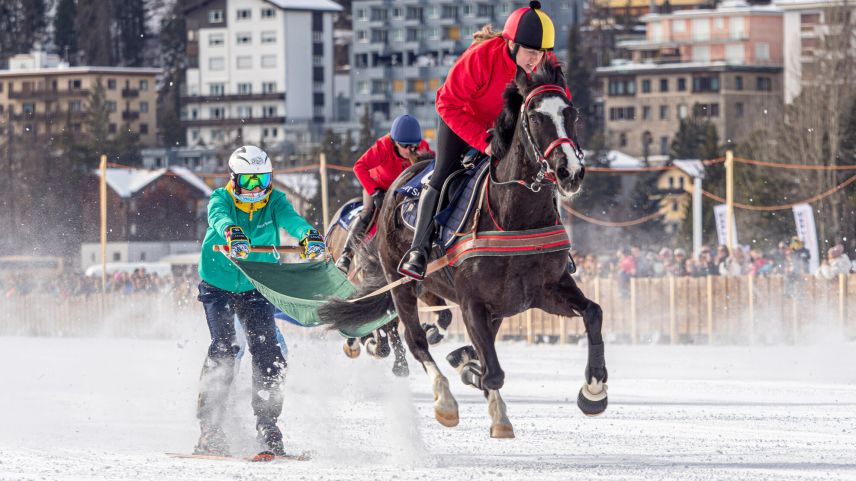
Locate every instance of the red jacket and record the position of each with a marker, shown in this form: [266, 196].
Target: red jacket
[381, 164]
[470, 99]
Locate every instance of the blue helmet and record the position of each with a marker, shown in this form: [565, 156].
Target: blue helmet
[406, 130]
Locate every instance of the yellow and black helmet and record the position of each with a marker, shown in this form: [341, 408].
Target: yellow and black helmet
[530, 27]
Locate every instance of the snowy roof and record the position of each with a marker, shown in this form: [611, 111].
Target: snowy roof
[127, 182]
[323, 5]
[304, 185]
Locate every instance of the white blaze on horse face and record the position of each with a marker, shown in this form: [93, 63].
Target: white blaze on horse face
[553, 107]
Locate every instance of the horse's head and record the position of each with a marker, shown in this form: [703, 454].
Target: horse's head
[547, 126]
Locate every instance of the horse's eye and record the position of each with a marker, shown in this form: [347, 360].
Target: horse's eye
[534, 118]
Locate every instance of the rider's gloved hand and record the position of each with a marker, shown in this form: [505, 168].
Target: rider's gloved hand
[377, 198]
[239, 244]
[313, 245]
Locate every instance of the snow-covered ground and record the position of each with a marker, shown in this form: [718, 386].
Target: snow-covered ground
[104, 409]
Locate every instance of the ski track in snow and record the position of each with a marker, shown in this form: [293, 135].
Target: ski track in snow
[108, 409]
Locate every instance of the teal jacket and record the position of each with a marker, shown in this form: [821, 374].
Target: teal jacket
[263, 229]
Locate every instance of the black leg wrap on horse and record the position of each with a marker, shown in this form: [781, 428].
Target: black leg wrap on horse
[444, 319]
[596, 361]
[465, 360]
[432, 333]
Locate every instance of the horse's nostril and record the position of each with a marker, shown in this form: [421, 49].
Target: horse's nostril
[582, 173]
[563, 173]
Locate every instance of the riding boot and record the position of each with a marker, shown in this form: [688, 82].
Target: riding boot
[355, 235]
[415, 260]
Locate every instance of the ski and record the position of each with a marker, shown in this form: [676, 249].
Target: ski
[261, 457]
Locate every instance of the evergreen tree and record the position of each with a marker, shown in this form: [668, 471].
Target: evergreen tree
[130, 18]
[65, 34]
[367, 135]
[94, 26]
[23, 26]
[696, 138]
[173, 41]
[580, 82]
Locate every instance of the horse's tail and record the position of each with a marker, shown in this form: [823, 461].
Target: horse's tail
[346, 315]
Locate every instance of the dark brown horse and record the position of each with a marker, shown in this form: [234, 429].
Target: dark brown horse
[539, 159]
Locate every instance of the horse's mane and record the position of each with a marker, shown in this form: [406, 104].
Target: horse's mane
[505, 125]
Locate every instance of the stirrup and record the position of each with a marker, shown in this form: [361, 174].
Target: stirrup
[344, 263]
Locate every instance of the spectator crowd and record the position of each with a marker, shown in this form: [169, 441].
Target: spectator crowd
[68, 285]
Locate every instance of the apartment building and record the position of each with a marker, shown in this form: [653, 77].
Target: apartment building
[260, 71]
[403, 50]
[41, 96]
[728, 61]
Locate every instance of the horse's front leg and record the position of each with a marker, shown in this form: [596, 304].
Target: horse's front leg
[482, 329]
[566, 299]
[399, 366]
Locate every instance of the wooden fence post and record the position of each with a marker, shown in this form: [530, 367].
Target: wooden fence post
[530, 335]
[842, 301]
[751, 289]
[710, 309]
[563, 330]
[634, 334]
[673, 327]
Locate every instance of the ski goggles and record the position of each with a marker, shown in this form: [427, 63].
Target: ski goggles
[251, 181]
[410, 147]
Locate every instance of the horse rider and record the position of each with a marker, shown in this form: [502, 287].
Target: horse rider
[378, 168]
[247, 208]
[469, 102]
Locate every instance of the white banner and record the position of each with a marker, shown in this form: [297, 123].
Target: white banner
[720, 212]
[807, 232]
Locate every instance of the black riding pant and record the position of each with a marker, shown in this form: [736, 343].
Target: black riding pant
[450, 152]
[255, 314]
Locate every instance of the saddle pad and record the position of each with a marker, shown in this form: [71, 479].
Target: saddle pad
[414, 186]
[453, 217]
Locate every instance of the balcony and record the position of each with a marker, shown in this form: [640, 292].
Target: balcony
[130, 93]
[231, 122]
[129, 115]
[49, 94]
[49, 117]
[201, 99]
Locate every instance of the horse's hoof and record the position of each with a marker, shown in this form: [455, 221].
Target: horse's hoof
[401, 369]
[447, 418]
[352, 351]
[592, 404]
[432, 333]
[502, 431]
[378, 349]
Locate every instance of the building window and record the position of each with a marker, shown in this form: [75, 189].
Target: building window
[144, 106]
[764, 84]
[362, 36]
[244, 38]
[269, 111]
[194, 134]
[268, 13]
[468, 10]
[682, 84]
[379, 36]
[484, 10]
[144, 85]
[705, 84]
[245, 88]
[707, 110]
[30, 108]
[318, 87]
[244, 62]
[216, 89]
[664, 85]
[664, 145]
[215, 40]
[318, 111]
[622, 140]
[701, 29]
[413, 13]
[679, 26]
[735, 27]
[622, 87]
[268, 61]
[363, 87]
[268, 87]
[75, 106]
[682, 111]
[762, 51]
[664, 112]
[397, 13]
[144, 129]
[734, 53]
[646, 86]
[72, 84]
[738, 109]
[362, 14]
[216, 64]
[244, 14]
[738, 83]
[215, 16]
[450, 11]
[646, 113]
[111, 106]
[245, 112]
[268, 37]
[111, 84]
[111, 128]
[378, 15]
[217, 113]
[317, 61]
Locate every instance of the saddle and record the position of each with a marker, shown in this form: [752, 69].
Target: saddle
[458, 197]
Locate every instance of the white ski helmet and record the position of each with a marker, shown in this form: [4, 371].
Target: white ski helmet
[250, 163]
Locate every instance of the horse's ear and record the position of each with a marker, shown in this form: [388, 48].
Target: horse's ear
[503, 128]
[523, 81]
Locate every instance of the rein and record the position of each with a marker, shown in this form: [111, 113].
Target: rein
[545, 172]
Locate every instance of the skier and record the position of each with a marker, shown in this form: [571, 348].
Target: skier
[378, 168]
[246, 210]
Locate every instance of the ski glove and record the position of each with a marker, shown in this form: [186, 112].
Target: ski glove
[313, 245]
[377, 199]
[239, 244]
